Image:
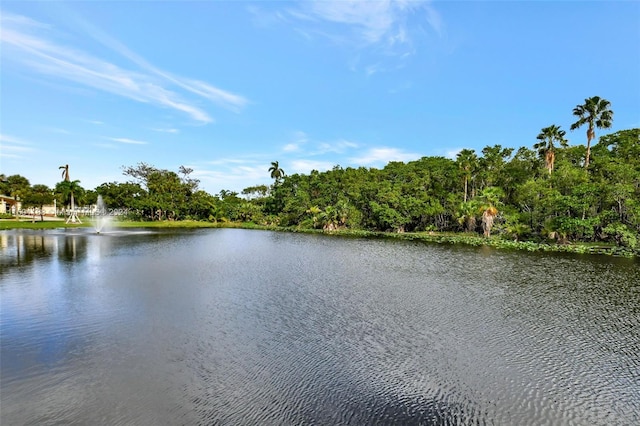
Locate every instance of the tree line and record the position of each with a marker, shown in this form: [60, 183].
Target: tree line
[549, 191]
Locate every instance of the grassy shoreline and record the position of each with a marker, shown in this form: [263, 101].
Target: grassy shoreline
[427, 237]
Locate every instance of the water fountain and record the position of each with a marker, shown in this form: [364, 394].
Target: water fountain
[103, 220]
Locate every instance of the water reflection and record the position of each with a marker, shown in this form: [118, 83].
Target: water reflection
[241, 327]
[19, 249]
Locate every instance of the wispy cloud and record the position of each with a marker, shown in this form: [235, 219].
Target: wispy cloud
[231, 174]
[299, 139]
[174, 131]
[223, 161]
[128, 141]
[222, 97]
[12, 140]
[306, 166]
[337, 147]
[12, 147]
[263, 18]
[383, 23]
[383, 156]
[23, 43]
[291, 147]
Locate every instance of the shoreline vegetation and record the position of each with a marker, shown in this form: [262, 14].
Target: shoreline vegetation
[464, 238]
[554, 197]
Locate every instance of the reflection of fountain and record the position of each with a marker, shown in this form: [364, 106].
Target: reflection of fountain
[103, 220]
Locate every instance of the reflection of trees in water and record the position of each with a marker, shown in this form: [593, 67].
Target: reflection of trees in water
[21, 249]
[73, 248]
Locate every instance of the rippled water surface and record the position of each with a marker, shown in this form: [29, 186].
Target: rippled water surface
[237, 327]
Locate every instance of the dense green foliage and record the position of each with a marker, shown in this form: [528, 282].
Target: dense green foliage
[544, 194]
[516, 194]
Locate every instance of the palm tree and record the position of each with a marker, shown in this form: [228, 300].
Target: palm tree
[67, 189]
[595, 112]
[490, 198]
[467, 161]
[467, 215]
[276, 172]
[65, 172]
[329, 218]
[546, 147]
[315, 213]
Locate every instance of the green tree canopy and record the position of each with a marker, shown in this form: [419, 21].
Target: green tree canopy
[38, 196]
[549, 137]
[595, 113]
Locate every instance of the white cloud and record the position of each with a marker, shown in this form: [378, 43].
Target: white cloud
[12, 147]
[264, 18]
[371, 19]
[372, 69]
[305, 166]
[290, 147]
[337, 147]
[380, 23]
[174, 131]
[128, 141]
[232, 175]
[224, 161]
[383, 156]
[299, 138]
[435, 20]
[149, 85]
[452, 153]
[4, 154]
[222, 97]
[6, 139]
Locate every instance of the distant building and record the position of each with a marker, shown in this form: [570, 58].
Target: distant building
[8, 204]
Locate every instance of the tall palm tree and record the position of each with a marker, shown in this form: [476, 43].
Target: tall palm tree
[65, 172]
[276, 172]
[67, 189]
[546, 147]
[595, 112]
[467, 161]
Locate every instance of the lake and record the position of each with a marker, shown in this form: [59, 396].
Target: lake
[241, 327]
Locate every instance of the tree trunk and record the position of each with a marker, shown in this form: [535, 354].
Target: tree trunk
[466, 183]
[471, 223]
[590, 136]
[550, 159]
[487, 220]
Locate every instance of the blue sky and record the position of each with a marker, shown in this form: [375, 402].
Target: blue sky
[227, 87]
